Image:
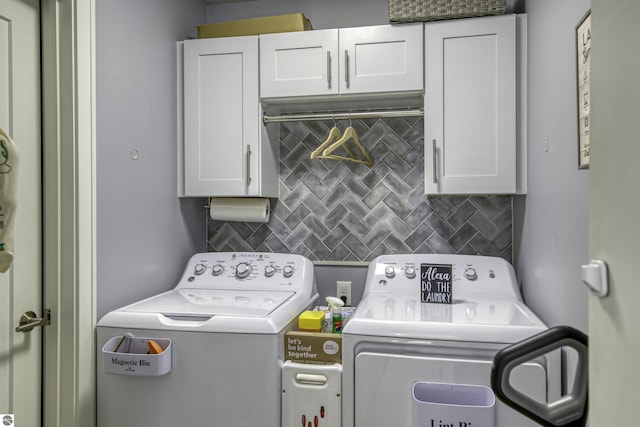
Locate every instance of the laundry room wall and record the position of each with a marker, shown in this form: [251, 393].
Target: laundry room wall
[551, 221]
[145, 233]
[323, 14]
[549, 225]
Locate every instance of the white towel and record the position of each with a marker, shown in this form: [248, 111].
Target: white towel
[8, 176]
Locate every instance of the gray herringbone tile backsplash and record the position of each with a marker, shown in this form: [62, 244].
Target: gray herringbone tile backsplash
[333, 210]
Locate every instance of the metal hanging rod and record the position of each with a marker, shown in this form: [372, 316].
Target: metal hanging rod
[419, 112]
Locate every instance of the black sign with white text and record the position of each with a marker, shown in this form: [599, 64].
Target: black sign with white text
[436, 283]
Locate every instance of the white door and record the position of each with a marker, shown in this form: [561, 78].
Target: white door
[299, 64]
[221, 114]
[21, 286]
[381, 58]
[614, 209]
[470, 106]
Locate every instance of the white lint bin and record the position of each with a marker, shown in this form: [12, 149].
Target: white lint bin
[459, 405]
[130, 356]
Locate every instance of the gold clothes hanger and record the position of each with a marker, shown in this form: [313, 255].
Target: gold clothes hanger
[349, 134]
[334, 135]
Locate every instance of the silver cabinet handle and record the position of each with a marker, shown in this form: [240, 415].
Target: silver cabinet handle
[329, 69]
[248, 165]
[346, 67]
[28, 321]
[435, 163]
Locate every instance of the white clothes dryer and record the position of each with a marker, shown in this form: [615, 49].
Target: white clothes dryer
[221, 330]
[422, 339]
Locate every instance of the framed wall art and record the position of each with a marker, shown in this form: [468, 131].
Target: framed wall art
[583, 68]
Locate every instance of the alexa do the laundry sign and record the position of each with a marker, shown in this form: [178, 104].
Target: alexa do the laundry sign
[436, 283]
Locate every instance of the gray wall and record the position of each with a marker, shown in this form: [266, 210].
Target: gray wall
[551, 222]
[144, 232]
[322, 14]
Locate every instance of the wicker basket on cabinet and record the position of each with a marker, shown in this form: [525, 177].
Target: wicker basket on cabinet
[432, 10]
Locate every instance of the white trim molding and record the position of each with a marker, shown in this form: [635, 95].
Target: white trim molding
[68, 48]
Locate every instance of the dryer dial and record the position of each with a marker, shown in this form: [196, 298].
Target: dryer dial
[410, 272]
[470, 273]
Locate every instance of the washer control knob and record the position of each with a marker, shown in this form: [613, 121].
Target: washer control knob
[471, 273]
[217, 270]
[410, 272]
[389, 271]
[243, 270]
[269, 270]
[287, 271]
[199, 269]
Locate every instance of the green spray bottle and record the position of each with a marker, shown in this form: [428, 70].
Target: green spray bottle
[336, 304]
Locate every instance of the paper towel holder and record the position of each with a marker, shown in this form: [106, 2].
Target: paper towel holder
[240, 209]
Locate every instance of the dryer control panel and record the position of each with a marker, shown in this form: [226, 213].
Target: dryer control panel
[247, 270]
[467, 274]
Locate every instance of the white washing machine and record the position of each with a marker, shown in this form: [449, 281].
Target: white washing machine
[221, 330]
[419, 348]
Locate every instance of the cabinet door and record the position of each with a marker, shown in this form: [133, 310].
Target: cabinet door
[221, 116]
[299, 64]
[470, 106]
[384, 58]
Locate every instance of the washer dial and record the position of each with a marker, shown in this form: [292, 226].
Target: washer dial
[243, 270]
[217, 270]
[390, 272]
[199, 269]
[287, 271]
[269, 270]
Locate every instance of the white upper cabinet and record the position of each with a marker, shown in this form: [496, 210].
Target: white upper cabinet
[471, 106]
[342, 61]
[297, 64]
[226, 148]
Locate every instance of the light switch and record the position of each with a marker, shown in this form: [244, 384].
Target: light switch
[595, 276]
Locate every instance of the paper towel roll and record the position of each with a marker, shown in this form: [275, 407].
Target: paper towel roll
[249, 209]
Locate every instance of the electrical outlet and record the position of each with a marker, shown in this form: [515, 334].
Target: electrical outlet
[343, 291]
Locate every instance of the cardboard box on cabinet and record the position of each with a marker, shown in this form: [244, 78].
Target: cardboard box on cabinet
[255, 26]
[313, 347]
